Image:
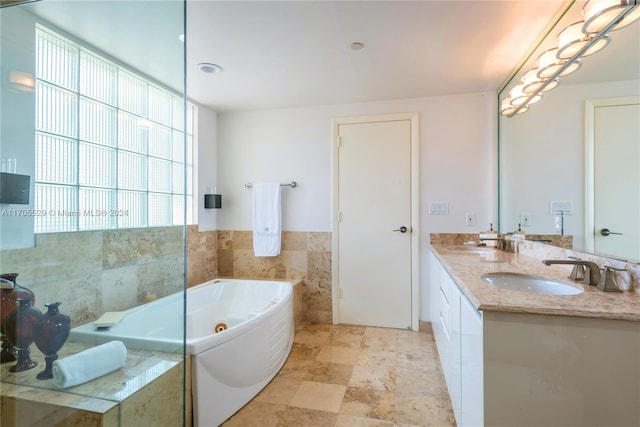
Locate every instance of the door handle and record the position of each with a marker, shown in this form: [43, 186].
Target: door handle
[402, 229]
[606, 232]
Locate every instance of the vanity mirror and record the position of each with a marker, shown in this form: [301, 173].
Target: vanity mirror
[570, 163]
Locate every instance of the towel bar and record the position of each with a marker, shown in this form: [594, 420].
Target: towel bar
[292, 184]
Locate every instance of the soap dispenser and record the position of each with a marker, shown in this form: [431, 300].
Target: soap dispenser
[490, 234]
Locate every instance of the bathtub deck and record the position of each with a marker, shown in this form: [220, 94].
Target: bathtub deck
[351, 375]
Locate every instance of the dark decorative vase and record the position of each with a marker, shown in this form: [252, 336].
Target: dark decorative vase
[9, 295]
[50, 333]
[18, 327]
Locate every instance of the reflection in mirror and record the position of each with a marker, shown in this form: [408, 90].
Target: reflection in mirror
[570, 163]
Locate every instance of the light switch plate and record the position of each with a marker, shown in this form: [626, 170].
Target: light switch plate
[438, 208]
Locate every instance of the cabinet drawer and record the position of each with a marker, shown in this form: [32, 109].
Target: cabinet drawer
[445, 311]
[445, 286]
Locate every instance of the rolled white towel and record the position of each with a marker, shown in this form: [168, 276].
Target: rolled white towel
[89, 364]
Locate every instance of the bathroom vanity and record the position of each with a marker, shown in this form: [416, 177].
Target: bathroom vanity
[518, 358]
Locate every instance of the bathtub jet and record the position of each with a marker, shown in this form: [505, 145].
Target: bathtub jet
[239, 334]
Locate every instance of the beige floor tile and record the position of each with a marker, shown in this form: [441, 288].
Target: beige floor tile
[424, 411]
[379, 343]
[350, 336]
[376, 358]
[353, 421]
[329, 373]
[417, 361]
[335, 354]
[372, 331]
[256, 414]
[410, 382]
[380, 378]
[298, 417]
[318, 396]
[416, 341]
[279, 390]
[368, 403]
[313, 336]
[351, 329]
[304, 351]
[295, 369]
[355, 376]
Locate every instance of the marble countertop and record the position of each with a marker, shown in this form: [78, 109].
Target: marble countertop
[467, 268]
[98, 395]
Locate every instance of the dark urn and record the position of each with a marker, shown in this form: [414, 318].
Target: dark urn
[9, 294]
[18, 327]
[50, 333]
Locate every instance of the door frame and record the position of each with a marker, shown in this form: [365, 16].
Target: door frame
[589, 170]
[414, 119]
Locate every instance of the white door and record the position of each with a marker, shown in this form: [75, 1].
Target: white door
[374, 223]
[617, 181]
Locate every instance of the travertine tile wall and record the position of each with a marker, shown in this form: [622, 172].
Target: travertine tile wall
[202, 261]
[92, 272]
[304, 255]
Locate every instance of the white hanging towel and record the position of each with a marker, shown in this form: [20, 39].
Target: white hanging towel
[266, 219]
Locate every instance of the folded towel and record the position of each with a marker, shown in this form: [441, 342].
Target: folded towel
[89, 364]
[266, 219]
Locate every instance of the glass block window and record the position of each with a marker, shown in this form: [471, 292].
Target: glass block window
[111, 148]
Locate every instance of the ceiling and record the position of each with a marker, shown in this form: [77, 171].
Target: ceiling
[293, 53]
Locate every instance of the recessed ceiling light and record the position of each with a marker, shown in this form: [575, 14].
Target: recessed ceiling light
[357, 46]
[181, 37]
[208, 68]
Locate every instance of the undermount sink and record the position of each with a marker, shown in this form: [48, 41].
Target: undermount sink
[532, 284]
[471, 249]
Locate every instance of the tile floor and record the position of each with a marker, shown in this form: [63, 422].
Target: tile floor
[354, 376]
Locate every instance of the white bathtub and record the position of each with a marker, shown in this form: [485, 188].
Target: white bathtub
[229, 367]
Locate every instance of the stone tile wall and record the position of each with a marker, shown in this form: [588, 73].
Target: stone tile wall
[202, 262]
[92, 272]
[305, 256]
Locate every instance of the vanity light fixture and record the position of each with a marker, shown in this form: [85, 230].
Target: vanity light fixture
[506, 109]
[549, 64]
[598, 14]
[532, 83]
[519, 97]
[571, 40]
[577, 40]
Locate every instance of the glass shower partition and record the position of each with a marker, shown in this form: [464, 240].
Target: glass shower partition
[95, 183]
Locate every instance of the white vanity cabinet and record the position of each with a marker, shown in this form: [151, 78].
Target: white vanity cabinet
[471, 365]
[458, 335]
[505, 368]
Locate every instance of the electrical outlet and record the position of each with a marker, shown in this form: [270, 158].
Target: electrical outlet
[525, 219]
[470, 219]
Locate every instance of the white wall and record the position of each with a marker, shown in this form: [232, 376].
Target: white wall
[17, 127]
[206, 133]
[457, 163]
[543, 157]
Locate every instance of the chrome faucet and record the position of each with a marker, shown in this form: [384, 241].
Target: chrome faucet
[577, 273]
[593, 278]
[503, 244]
[608, 282]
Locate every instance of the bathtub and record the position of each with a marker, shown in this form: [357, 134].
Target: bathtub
[229, 367]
